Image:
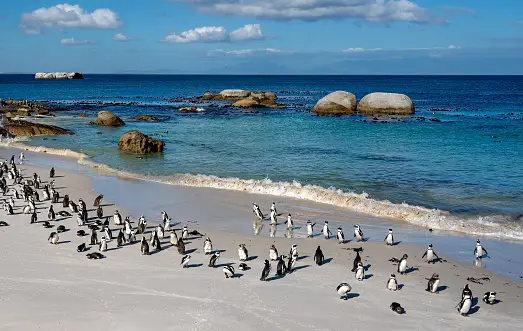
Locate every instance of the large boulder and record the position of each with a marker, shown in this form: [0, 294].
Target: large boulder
[234, 94]
[336, 103]
[136, 142]
[106, 118]
[59, 75]
[386, 104]
[257, 100]
[145, 118]
[24, 128]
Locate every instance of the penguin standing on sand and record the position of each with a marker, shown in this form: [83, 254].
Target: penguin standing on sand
[273, 253]
[156, 241]
[389, 239]
[291, 261]
[290, 223]
[53, 238]
[228, 270]
[266, 270]
[274, 218]
[185, 261]
[98, 200]
[99, 212]
[207, 246]
[160, 231]
[94, 238]
[464, 305]
[433, 284]
[65, 201]
[430, 254]
[185, 233]
[466, 291]
[52, 173]
[214, 258]
[73, 207]
[479, 251]
[108, 232]
[142, 224]
[167, 225]
[340, 236]
[181, 246]
[117, 218]
[402, 265]
[50, 214]
[294, 251]
[360, 272]
[103, 245]
[310, 229]
[257, 211]
[281, 269]
[392, 283]
[144, 247]
[318, 256]
[173, 238]
[128, 227]
[357, 259]
[343, 290]
[326, 231]
[489, 298]
[358, 234]
[120, 240]
[82, 204]
[243, 254]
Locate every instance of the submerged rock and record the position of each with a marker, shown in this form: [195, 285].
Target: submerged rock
[24, 128]
[145, 118]
[59, 75]
[336, 103]
[386, 103]
[106, 118]
[139, 143]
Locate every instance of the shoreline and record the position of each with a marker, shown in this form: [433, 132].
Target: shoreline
[47, 279]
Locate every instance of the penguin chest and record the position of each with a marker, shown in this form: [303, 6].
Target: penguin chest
[343, 290]
[389, 239]
[360, 274]
[479, 251]
[309, 230]
[207, 247]
[402, 266]
[430, 255]
[435, 286]
[273, 255]
[242, 255]
[174, 240]
[54, 240]
[393, 285]
[465, 306]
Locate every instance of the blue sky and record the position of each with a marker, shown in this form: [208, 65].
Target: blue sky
[256, 37]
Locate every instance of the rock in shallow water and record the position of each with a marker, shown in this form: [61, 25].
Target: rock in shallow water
[386, 103]
[139, 143]
[336, 103]
[24, 128]
[145, 118]
[106, 118]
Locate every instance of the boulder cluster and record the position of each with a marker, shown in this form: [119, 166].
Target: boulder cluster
[59, 75]
[245, 99]
[12, 108]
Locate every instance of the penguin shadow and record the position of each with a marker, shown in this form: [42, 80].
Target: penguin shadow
[351, 296]
[400, 286]
[64, 242]
[251, 258]
[155, 251]
[439, 259]
[113, 249]
[275, 277]
[300, 267]
[327, 261]
[411, 270]
[223, 265]
[196, 265]
[61, 176]
[441, 288]
[237, 276]
[299, 258]
[368, 276]
[367, 267]
[189, 251]
[396, 243]
[60, 188]
[218, 251]
[106, 205]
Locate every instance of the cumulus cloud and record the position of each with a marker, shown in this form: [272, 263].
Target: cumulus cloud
[68, 16]
[369, 10]
[210, 34]
[73, 42]
[121, 37]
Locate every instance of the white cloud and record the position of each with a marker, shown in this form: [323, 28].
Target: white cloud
[122, 37]
[248, 51]
[369, 10]
[68, 16]
[210, 34]
[71, 42]
[360, 50]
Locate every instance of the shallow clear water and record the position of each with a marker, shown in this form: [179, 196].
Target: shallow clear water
[468, 164]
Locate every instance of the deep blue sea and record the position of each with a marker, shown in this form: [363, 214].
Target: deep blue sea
[460, 153]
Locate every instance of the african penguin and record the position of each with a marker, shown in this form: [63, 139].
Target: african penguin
[358, 234]
[228, 270]
[389, 239]
[402, 265]
[273, 253]
[343, 290]
[430, 254]
[185, 261]
[214, 258]
[360, 272]
[433, 284]
[318, 256]
[53, 238]
[392, 283]
[243, 253]
[489, 298]
[266, 270]
[207, 246]
[340, 236]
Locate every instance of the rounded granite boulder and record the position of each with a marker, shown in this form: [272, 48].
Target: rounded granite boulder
[336, 103]
[106, 118]
[386, 104]
[139, 143]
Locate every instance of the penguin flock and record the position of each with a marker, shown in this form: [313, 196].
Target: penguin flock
[23, 194]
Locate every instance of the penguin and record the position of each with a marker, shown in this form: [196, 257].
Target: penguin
[397, 308]
[11, 201]
[80, 233]
[228, 270]
[73, 207]
[99, 212]
[97, 200]
[392, 283]
[65, 201]
[181, 246]
[294, 251]
[214, 258]
[465, 305]
[430, 254]
[185, 261]
[489, 298]
[81, 248]
[357, 259]
[266, 270]
[80, 220]
[2, 223]
[174, 238]
[128, 227]
[466, 291]
[167, 225]
[164, 216]
[95, 256]
[157, 242]
[103, 245]
[257, 211]
[34, 217]
[433, 284]
[117, 218]
[360, 272]
[160, 231]
[274, 218]
[27, 209]
[53, 238]
[291, 261]
[50, 214]
[106, 222]
[207, 246]
[318, 256]
[358, 234]
[290, 222]
[142, 224]
[340, 236]
[281, 268]
[82, 204]
[273, 253]
[243, 267]
[343, 290]
[185, 233]
[144, 247]
[273, 208]
[108, 232]
[479, 251]
[389, 239]
[60, 229]
[94, 238]
[10, 209]
[120, 240]
[47, 225]
[243, 253]
[52, 173]
[326, 231]
[402, 265]
[272, 230]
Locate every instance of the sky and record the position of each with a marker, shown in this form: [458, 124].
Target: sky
[263, 36]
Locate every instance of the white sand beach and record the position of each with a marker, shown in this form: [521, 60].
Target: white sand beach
[45, 286]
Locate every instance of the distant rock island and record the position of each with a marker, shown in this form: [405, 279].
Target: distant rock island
[59, 75]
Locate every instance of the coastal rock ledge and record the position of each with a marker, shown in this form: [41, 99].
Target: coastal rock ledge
[106, 118]
[59, 75]
[336, 103]
[245, 99]
[29, 129]
[386, 104]
[139, 143]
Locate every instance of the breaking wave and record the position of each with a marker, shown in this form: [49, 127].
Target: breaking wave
[494, 226]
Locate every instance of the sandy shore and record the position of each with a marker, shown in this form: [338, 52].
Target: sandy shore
[44, 287]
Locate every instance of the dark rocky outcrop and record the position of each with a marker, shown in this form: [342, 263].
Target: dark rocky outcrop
[145, 118]
[106, 118]
[139, 143]
[244, 98]
[24, 107]
[25, 128]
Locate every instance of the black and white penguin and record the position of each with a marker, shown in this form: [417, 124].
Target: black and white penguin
[310, 229]
[243, 254]
[79, 219]
[392, 283]
[466, 291]
[389, 239]
[80, 233]
[290, 222]
[97, 200]
[273, 208]
[61, 228]
[291, 261]
[47, 225]
[81, 248]
[464, 305]
[99, 212]
[479, 251]
[433, 284]
[343, 290]
[358, 234]
[294, 251]
[340, 236]
[318, 256]
[94, 238]
[281, 268]
[65, 201]
[50, 214]
[128, 227]
[73, 207]
[214, 259]
[257, 211]
[185, 261]
[82, 204]
[167, 225]
[3, 223]
[273, 253]
[207, 246]
[108, 232]
[117, 218]
[360, 272]
[243, 267]
[489, 298]
[95, 256]
[52, 173]
[173, 238]
[157, 243]
[357, 259]
[144, 247]
[326, 231]
[159, 230]
[181, 246]
[120, 240]
[228, 270]
[266, 270]
[402, 265]
[34, 217]
[185, 233]
[53, 238]
[273, 218]
[430, 254]
[397, 308]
